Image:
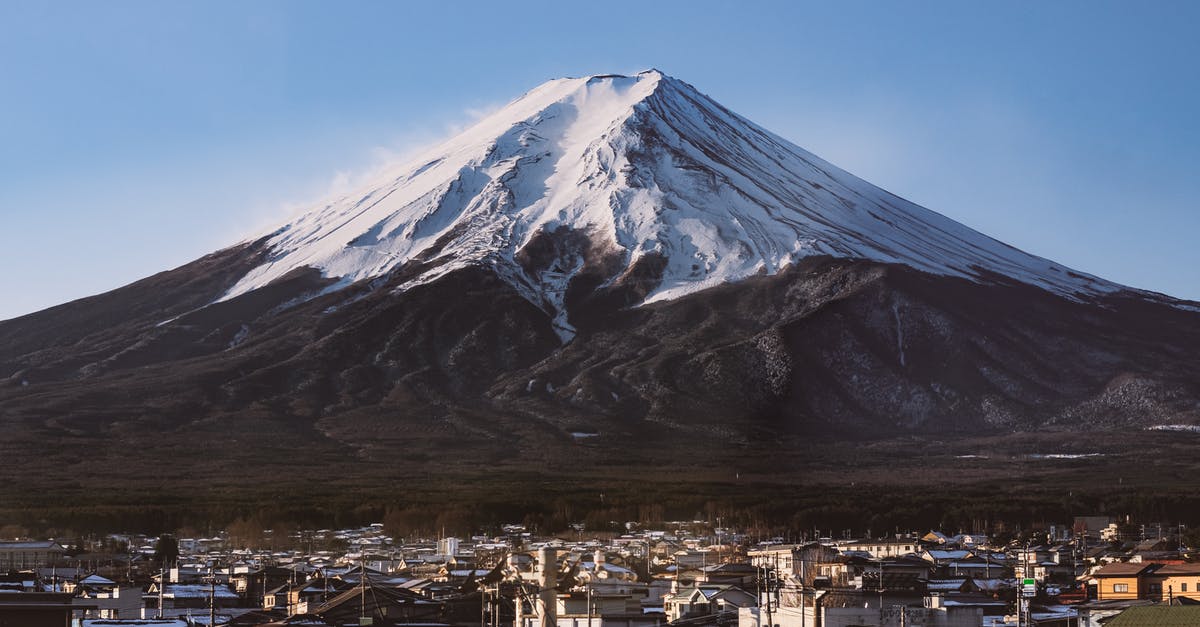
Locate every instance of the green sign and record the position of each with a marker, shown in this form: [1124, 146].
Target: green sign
[1028, 582]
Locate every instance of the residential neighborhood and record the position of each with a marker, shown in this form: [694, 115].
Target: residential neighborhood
[1087, 572]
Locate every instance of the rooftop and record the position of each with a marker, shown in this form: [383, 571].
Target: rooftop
[1158, 616]
[1124, 569]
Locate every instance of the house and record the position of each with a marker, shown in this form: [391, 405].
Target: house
[29, 554]
[976, 568]
[1180, 580]
[969, 540]
[1124, 581]
[111, 600]
[604, 605]
[855, 609]
[277, 597]
[811, 564]
[14, 581]
[599, 607]
[892, 575]
[944, 556]
[188, 596]
[952, 586]
[459, 576]
[298, 598]
[880, 548]
[781, 557]
[252, 584]
[705, 600]
[935, 537]
[385, 605]
[596, 593]
[601, 570]
[1090, 526]
[690, 559]
[743, 576]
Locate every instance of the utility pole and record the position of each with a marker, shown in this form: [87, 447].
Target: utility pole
[1029, 603]
[803, 619]
[362, 591]
[1077, 556]
[881, 587]
[770, 597]
[758, 587]
[1020, 589]
[212, 598]
[803, 583]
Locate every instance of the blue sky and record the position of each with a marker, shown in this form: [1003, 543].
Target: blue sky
[137, 136]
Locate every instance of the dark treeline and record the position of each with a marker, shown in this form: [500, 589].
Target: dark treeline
[763, 511]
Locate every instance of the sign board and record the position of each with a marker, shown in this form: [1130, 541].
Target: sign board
[1028, 587]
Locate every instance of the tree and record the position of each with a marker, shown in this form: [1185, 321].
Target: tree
[1191, 538]
[166, 550]
[246, 533]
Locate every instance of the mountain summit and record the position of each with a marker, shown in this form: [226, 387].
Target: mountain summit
[638, 177]
[612, 277]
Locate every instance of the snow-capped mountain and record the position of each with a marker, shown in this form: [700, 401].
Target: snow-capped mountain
[643, 167]
[613, 256]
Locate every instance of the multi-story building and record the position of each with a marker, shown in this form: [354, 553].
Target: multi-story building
[1124, 581]
[30, 554]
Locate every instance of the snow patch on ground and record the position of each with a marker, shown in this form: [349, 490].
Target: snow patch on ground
[240, 336]
[899, 332]
[1184, 428]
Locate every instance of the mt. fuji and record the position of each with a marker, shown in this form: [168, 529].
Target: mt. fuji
[637, 172]
[610, 270]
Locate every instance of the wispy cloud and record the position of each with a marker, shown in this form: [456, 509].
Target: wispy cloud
[376, 163]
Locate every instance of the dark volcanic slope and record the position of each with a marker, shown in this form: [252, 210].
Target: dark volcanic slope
[54, 344]
[464, 371]
[481, 315]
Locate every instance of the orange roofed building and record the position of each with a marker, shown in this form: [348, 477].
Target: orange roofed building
[1125, 581]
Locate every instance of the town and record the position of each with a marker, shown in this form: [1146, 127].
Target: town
[1090, 571]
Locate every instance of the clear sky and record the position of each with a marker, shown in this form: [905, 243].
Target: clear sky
[137, 136]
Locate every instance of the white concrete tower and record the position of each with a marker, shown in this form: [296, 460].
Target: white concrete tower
[547, 600]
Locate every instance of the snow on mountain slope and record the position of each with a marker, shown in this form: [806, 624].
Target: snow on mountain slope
[642, 165]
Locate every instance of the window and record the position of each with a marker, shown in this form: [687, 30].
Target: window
[1120, 587]
[1183, 587]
